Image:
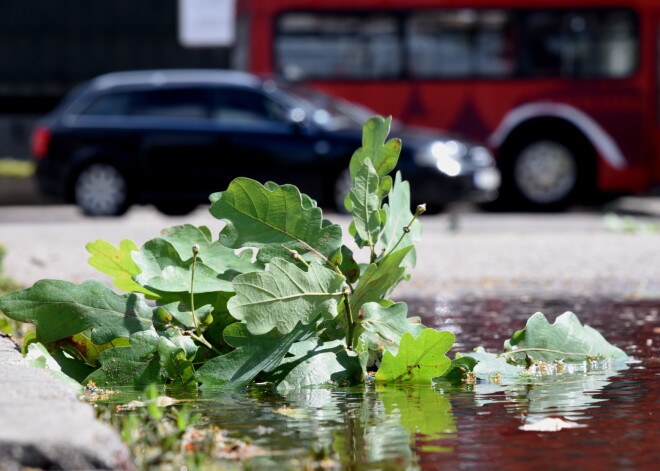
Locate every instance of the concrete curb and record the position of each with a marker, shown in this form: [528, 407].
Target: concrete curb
[45, 426]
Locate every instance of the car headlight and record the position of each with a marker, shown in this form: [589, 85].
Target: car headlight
[481, 157]
[446, 156]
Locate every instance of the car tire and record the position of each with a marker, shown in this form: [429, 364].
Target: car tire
[101, 189]
[176, 209]
[543, 174]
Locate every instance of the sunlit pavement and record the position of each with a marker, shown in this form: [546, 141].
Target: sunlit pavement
[463, 252]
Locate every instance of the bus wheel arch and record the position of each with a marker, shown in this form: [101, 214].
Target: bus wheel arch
[546, 164]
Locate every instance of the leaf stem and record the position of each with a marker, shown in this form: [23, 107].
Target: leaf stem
[195, 251]
[204, 342]
[296, 256]
[406, 229]
[350, 324]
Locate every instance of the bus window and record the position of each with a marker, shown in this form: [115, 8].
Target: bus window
[459, 43]
[335, 45]
[577, 43]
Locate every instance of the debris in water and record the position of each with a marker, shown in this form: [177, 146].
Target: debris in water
[549, 424]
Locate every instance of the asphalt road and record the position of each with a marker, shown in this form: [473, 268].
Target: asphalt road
[468, 253]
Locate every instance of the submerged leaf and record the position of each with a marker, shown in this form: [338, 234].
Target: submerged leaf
[59, 309]
[567, 339]
[284, 296]
[419, 360]
[274, 218]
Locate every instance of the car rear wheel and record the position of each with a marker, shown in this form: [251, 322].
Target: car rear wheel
[100, 189]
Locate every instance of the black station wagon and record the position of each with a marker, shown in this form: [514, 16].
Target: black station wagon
[172, 137]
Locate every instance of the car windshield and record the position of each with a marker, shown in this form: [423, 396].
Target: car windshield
[326, 111]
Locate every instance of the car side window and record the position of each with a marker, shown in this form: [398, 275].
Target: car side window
[112, 104]
[240, 106]
[173, 103]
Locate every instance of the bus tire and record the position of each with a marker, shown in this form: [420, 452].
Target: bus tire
[546, 173]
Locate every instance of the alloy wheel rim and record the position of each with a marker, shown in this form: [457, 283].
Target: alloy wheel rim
[545, 172]
[101, 190]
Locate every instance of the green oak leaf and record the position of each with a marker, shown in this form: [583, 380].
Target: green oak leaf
[181, 312]
[343, 258]
[137, 364]
[275, 219]
[150, 358]
[567, 339]
[253, 354]
[81, 346]
[162, 269]
[379, 279]
[490, 365]
[314, 362]
[183, 237]
[176, 352]
[386, 325]
[38, 356]
[59, 309]
[419, 359]
[213, 254]
[285, 295]
[399, 215]
[117, 263]
[459, 369]
[365, 204]
[383, 155]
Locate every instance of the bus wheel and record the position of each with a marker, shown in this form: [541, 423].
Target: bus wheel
[100, 189]
[544, 175]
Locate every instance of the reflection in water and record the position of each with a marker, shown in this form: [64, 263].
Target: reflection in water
[567, 395]
[473, 427]
[366, 428]
[399, 427]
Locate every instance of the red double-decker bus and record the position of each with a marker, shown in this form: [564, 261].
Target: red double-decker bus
[564, 91]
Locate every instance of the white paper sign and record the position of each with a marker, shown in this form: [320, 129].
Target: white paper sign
[207, 23]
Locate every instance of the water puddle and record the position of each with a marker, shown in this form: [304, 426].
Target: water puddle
[602, 416]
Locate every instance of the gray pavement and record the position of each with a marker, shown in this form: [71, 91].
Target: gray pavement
[43, 425]
[468, 254]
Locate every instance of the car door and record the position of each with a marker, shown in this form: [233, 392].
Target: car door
[176, 140]
[255, 138]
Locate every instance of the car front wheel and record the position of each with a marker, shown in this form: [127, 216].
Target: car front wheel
[100, 189]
